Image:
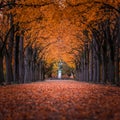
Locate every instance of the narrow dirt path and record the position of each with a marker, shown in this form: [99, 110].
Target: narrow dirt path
[59, 100]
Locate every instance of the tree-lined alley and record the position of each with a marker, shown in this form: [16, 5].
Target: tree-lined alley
[74, 39]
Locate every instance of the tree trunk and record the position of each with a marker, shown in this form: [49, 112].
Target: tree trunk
[79, 72]
[94, 67]
[28, 58]
[98, 69]
[104, 69]
[16, 59]
[9, 51]
[91, 65]
[117, 65]
[21, 61]
[40, 70]
[27, 71]
[1, 69]
[9, 71]
[111, 71]
[88, 66]
[82, 69]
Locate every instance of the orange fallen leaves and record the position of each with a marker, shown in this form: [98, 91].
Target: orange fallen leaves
[59, 100]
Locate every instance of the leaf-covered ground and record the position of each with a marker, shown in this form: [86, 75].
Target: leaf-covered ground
[59, 100]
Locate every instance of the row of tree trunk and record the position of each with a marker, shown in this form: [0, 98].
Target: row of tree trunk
[21, 66]
[18, 64]
[100, 60]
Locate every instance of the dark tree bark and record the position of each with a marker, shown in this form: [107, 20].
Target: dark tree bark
[117, 61]
[1, 64]
[28, 58]
[94, 62]
[98, 69]
[104, 68]
[82, 68]
[77, 71]
[1, 69]
[42, 70]
[21, 60]
[91, 64]
[87, 65]
[16, 59]
[9, 70]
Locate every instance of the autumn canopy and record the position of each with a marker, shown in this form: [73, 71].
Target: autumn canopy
[55, 26]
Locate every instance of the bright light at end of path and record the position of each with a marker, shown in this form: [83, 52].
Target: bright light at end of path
[61, 3]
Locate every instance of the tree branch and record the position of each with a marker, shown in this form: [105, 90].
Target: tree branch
[12, 4]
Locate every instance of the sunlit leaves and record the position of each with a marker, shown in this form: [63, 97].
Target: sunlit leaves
[44, 21]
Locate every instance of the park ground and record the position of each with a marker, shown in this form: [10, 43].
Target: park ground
[59, 100]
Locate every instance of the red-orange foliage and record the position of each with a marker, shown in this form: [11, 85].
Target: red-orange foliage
[46, 21]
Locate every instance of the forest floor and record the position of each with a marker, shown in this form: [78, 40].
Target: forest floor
[59, 100]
